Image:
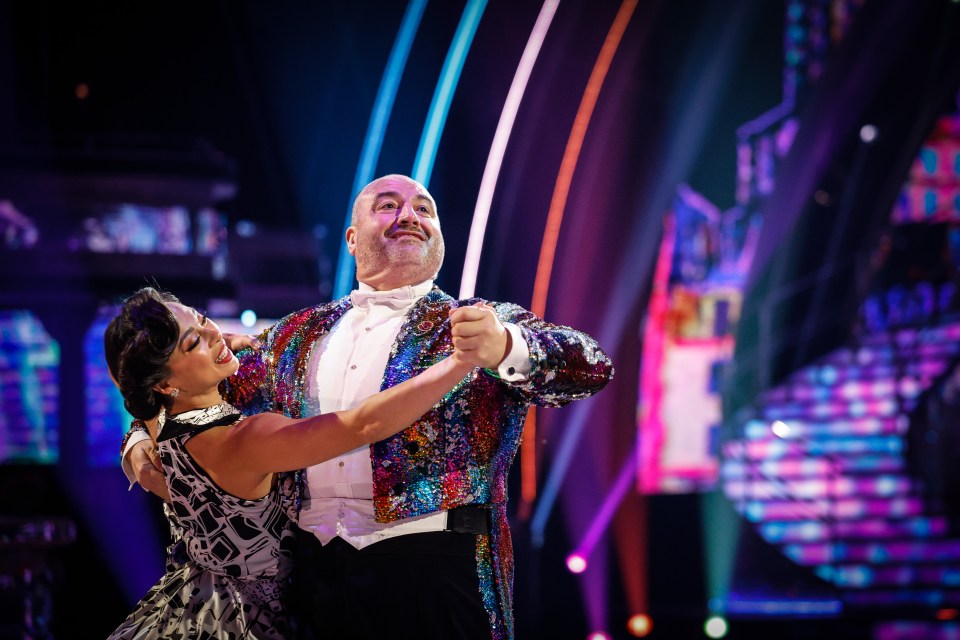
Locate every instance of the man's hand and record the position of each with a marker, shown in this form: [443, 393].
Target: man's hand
[237, 341]
[145, 461]
[478, 335]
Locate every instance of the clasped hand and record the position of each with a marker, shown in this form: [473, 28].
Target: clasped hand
[479, 337]
[145, 462]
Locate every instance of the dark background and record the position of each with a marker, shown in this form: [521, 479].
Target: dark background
[274, 100]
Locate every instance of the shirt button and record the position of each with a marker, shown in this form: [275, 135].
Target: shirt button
[341, 463]
[367, 329]
[353, 366]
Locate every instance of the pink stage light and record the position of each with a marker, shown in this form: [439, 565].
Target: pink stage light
[576, 563]
[599, 635]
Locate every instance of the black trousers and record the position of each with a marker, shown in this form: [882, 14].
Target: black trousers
[418, 586]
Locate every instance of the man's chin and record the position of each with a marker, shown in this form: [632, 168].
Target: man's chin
[407, 254]
[413, 272]
[410, 263]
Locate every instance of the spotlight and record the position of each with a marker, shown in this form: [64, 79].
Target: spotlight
[780, 429]
[947, 614]
[639, 625]
[248, 318]
[715, 627]
[599, 635]
[868, 133]
[246, 229]
[576, 563]
[82, 91]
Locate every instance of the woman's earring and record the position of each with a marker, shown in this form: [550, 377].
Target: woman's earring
[174, 393]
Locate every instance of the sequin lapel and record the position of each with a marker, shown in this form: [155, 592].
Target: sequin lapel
[293, 345]
[416, 346]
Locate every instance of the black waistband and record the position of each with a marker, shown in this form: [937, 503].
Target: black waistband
[470, 518]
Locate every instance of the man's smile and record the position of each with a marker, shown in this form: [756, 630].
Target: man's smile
[408, 234]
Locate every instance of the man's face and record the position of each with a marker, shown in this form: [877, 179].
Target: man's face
[395, 235]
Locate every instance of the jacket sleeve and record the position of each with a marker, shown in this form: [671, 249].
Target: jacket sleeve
[250, 388]
[566, 364]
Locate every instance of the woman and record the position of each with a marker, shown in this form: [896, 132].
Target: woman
[230, 499]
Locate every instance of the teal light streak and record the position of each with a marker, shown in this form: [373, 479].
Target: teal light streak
[373, 142]
[443, 95]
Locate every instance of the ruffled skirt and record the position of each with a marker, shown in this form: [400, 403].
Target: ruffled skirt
[191, 602]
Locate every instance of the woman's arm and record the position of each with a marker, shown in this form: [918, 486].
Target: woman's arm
[281, 444]
[242, 459]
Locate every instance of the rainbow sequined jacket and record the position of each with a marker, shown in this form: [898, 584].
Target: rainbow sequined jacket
[460, 452]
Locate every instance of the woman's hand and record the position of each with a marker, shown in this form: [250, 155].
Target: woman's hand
[238, 341]
[145, 462]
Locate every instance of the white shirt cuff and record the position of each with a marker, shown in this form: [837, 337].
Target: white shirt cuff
[134, 438]
[516, 366]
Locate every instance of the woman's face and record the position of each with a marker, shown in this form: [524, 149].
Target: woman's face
[201, 358]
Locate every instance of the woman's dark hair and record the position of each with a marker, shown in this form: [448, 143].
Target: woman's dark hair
[138, 344]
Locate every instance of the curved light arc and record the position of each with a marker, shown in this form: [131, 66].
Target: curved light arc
[491, 172]
[548, 248]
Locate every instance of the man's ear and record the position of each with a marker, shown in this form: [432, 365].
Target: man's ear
[351, 241]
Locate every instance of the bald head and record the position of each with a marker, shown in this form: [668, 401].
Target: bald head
[377, 184]
[394, 233]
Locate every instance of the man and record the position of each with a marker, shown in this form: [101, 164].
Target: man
[409, 537]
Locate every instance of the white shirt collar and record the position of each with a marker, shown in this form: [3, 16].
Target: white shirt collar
[365, 295]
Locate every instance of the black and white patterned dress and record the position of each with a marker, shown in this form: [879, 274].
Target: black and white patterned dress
[230, 578]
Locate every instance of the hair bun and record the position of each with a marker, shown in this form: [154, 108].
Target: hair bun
[138, 343]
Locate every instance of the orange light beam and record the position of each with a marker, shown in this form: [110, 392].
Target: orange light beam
[551, 232]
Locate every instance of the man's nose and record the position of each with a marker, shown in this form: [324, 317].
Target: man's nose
[408, 216]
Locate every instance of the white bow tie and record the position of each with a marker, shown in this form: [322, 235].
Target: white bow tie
[395, 298]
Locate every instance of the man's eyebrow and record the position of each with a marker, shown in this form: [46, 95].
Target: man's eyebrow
[396, 195]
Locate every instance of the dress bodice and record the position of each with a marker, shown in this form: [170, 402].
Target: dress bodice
[221, 532]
